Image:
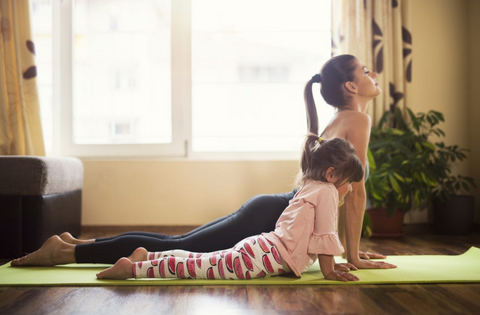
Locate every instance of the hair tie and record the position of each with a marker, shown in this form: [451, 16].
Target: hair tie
[317, 78]
[320, 139]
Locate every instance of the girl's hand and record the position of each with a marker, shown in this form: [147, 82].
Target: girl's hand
[345, 267]
[341, 276]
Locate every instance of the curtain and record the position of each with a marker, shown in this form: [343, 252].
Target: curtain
[20, 125]
[378, 33]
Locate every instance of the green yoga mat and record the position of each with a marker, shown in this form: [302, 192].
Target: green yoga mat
[464, 268]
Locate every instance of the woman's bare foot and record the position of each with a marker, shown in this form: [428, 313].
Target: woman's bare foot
[120, 271]
[53, 252]
[68, 238]
[140, 254]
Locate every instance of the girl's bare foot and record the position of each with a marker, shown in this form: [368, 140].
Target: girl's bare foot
[140, 254]
[120, 271]
[53, 252]
[68, 238]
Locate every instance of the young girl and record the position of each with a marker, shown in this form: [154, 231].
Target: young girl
[305, 230]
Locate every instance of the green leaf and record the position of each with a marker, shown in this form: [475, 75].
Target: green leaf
[401, 148]
[371, 160]
[417, 197]
[430, 120]
[399, 116]
[395, 185]
[417, 177]
[376, 196]
[383, 120]
[440, 131]
[418, 147]
[396, 132]
[428, 180]
[397, 176]
[429, 145]
[413, 119]
[438, 115]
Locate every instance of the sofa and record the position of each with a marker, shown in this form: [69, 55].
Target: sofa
[39, 197]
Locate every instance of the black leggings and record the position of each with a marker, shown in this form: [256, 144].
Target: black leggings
[257, 215]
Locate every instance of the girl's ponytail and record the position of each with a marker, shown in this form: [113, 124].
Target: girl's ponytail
[319, 155]
[310, 144]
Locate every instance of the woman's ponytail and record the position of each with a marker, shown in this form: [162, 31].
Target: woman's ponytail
[310, 107]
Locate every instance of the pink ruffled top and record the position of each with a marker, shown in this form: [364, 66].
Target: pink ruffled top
[308, 226]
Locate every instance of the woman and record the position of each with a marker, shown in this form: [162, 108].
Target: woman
[345, 84]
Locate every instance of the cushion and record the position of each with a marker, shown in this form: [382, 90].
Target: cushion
[37, 176]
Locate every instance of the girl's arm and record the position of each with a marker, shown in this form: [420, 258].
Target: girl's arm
[327, 264]
[356, 200]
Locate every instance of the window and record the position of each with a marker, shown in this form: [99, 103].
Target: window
[250, 61]
[162, 77]
[122, 72]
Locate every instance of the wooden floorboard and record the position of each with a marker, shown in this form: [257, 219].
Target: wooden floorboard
[361, 299]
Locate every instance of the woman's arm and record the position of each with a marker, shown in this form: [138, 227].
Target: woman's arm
[359, 136]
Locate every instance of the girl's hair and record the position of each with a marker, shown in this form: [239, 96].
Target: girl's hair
[318, 156]
[335, 72]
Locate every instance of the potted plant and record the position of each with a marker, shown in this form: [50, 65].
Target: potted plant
[453, 212]
[407, 169]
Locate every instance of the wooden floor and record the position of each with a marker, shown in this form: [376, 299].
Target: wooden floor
[362, 299]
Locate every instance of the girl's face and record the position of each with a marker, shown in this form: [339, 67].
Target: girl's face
[343, 189]
[366, 81]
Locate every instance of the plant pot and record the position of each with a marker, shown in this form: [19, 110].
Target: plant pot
[384, 226]
[456, 216]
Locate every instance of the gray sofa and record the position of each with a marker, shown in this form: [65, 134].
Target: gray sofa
[39, 197]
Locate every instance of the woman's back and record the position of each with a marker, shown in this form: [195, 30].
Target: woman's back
[345, 124]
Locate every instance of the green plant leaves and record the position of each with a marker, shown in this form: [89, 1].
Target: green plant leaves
[406, 168]
[395, 185]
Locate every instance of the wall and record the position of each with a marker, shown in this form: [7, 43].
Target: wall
[473, 110]
[176, 192]
[445, 77]
[441, 70]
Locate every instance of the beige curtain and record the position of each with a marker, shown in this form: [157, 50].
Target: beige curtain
[378, 33]
[20, 125]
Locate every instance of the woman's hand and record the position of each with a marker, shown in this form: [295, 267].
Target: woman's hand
[345, 267]
[368, 255]
[341, 276]
[369, 264]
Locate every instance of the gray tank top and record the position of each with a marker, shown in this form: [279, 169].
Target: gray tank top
[367, 170]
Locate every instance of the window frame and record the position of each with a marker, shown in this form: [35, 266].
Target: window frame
[63, 57]
[181, 97]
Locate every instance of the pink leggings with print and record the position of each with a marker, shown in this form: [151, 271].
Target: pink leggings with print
[253, 257]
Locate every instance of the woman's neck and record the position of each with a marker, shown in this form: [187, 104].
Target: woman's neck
[356, 105]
